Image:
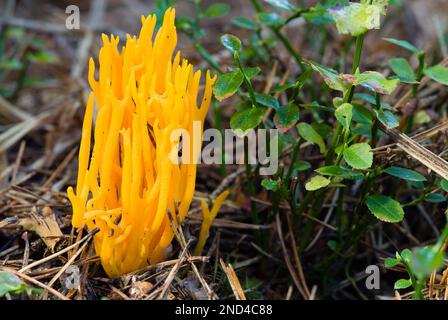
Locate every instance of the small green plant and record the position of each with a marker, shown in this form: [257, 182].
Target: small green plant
[419, 263]
[341, 117]
[18, 51]
[11, 284]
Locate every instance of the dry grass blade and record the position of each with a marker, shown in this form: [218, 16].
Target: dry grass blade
[62, 270]
[233, 281]
[11, 136]
[36, 282]
[294, 276]
[418, 152]
[11, 112]
[57, 254]
[169, 279]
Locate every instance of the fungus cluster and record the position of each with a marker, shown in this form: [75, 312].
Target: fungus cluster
[127, 185]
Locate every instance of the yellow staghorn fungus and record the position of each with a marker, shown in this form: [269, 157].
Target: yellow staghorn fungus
[207, 219]
[128, 184]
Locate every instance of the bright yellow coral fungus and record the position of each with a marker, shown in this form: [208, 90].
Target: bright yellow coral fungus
[128, 185]
[207, 219]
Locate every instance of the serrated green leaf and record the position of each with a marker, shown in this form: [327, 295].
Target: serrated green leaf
[316, 183]
[403, 70]
[438, 73]
[385, 208]
[405, 174]
[359, 156]
[228, 84]
[308, 133]
[245, 120]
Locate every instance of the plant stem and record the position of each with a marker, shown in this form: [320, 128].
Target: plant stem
[348, 96]
[376, 122]
[282, 38]
[247, 82]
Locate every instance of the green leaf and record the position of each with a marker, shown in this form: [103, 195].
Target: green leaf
[308, 133]
[283, 87]
[284, 5]
[385, 208]
[387, 118]
[402, 43]
[405, 174]
[406, 255]
[286, 115]
[42, 57]
[339, 171]
[435, 198]
[444, 185]
[245, 23]
[362, 115]
[403, 70]
[231, 43]
[228, 84]
[372, 80]
[271, 19]
[391, 262]
[316, 183]
[359, 156]
[331, 77]
[425, 260]
[267, 100]
[10, 283]
[402, 284]
[251, 72]
[344, 114]
[301, 165]
[438, 73]
[217, 10]
[184, 23]
[270, 184]
[422, 117]
[242, 121]
[12, 64]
